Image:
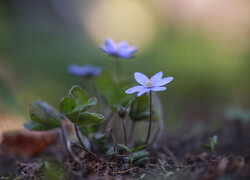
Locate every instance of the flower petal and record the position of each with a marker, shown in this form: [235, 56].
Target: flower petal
[123, 45]
[141, 78]
[143, 91]
[110, 45]
[164, 81]
[158, 89]
[132, 50]
[123, 50]
[102, 47]
[134, 89]
[157, 77]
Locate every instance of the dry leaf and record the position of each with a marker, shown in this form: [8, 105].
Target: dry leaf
[28, 143]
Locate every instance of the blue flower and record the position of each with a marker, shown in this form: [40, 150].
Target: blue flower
[84, 71]
[121, 50]
[155, 83]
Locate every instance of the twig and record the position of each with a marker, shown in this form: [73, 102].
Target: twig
[81, 142]
[85, 149]
[125, 171]
[145, 171]
[168, 152]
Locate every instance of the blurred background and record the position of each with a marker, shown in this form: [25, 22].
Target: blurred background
[203, 44]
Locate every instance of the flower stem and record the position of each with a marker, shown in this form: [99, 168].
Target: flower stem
[124, 132]
[150, 117]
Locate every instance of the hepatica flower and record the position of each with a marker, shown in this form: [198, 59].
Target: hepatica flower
[84, 71]
[155, 83]
[120, 50]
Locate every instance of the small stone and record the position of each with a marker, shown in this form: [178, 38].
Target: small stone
[169, 174]
[143, 176]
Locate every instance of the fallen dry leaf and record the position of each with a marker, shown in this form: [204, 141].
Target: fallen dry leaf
[28, 143]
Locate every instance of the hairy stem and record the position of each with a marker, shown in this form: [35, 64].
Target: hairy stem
[150, 117]
[124, 132]
[78, 135]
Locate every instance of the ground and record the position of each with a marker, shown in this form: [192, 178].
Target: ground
[176, 156]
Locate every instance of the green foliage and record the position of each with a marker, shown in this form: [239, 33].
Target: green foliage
[137, 156]
[43, 116]
[213, 143]
[140, 110]
[87, 129]
[74, 106]
[53, 170]
[88, 118]
[76, 102]
[113, 92]
[100, 141]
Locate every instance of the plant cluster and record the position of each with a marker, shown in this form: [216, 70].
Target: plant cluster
[94, 131]
[212, 144]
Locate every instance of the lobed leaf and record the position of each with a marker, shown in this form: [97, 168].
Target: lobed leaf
[43, 116]
[88, 118]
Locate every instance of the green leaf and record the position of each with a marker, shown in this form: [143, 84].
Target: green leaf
[111, 151]
[215, 139]
[88, 118]
[81, 99]
[141, 161]
[79, 95]
[100, 141]
[113, 92]
[139, 108]
[206, 145]
[76, 103]
[124, 148]
[87, 129]
[139, 148]
[139, 154]
[34, 126]
[67, 104]
[43, 114]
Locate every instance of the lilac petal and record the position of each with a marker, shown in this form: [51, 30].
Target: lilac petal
[143, 91]
[123, 45]
[132, 50]
[110, 45]
[84, 71]
[164, 81]
[158, 89]
[141, 78]
[123, 50]
[102, 47]
[124, 54]
[134, 89]
[157, 77]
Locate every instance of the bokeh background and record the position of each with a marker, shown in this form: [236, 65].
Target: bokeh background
[204, 44]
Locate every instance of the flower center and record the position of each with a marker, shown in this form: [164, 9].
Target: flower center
[149, 84]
